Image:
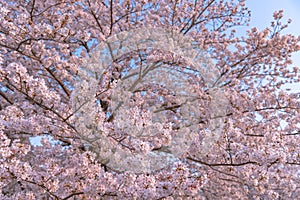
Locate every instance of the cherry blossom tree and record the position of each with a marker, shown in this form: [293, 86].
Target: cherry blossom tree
[146, 100]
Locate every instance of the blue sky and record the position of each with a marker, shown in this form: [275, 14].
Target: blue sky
[262, 15]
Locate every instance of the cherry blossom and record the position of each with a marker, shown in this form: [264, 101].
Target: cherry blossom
[246, 146]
